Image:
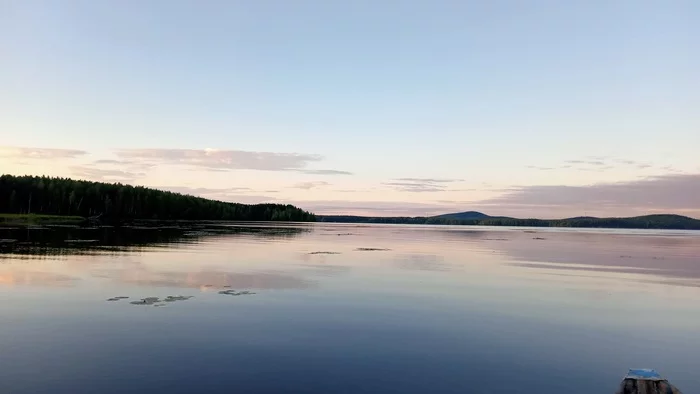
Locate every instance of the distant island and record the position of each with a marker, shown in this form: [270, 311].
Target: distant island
[472, 218]
[43, 199]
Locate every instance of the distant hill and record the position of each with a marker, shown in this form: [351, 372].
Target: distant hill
[33, 195]
[471, 218]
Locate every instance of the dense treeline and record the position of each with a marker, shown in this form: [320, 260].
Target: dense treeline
[62, 196]
[371, 219]
[651, 221]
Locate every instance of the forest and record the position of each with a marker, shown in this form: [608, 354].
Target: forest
[115, 202]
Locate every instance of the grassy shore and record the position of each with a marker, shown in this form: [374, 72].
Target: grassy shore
[33, 218]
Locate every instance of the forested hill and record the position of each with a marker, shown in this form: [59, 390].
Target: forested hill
[62, 196]
[650, 221]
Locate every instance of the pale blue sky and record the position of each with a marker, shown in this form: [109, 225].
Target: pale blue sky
[487, 94]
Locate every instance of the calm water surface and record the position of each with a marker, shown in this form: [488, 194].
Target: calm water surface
[440, 310]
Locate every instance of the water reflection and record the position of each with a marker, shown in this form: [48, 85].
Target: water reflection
[36, 278]
[657, 253]
[424, 309]
[420, 248]
[422, 262]
[211, 279]
[77, 240]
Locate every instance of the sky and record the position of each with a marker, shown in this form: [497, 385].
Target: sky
[531, 109]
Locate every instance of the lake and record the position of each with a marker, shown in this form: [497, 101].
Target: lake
[333, 308]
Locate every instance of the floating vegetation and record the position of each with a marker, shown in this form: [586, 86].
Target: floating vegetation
[146, 301]
[7, 241]
[371, 249]
[322, 252]
[155, 301]
[117, 298]
[539, 238]
[495, 239]
[81, 241]
[177, 298]
[236, 293]
[227, 287]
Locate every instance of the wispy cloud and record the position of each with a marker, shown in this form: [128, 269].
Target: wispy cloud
[543, 168]
[420, 185]
[229, 159]
[230, 194]
[106, 175]
[599, 164]
[429, 180]
[127, 165]
[13, 152]
[196, 191]
[588, 162]
[414, 187]
[634, 163]
[325, 172]
[309, 185]
[671, 169]
[113, 162]
[214, 160]
[376, 208]
[591, 164]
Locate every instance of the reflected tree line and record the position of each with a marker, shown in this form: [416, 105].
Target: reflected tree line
[70, 240]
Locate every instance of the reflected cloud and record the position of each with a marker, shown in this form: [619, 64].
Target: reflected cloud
[586, 267]
[422, 262]
[665, 257]
[209, 279]
[34, 278]
[327, 270]
[661, 256]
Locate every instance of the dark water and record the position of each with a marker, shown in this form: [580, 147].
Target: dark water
[444, 310]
